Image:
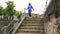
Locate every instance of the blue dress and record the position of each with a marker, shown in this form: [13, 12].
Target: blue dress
[30, 8]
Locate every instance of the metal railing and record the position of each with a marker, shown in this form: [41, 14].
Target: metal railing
[17, 25]
[7, 29]
[12, 27]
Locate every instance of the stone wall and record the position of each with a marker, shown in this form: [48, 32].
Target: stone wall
[51, 27]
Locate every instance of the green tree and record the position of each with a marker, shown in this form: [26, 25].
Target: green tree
[57, 12]
[18, 14]
[10, 9]
[1, 11]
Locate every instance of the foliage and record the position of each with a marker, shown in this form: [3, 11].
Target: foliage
[57, 14]
[57, 10]
[9, 10]
[1, 10]
[18, 14]
[59, 2]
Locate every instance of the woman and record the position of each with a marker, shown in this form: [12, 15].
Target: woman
[29, 8]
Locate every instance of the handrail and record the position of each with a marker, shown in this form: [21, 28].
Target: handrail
[7, 29]
[9, 23]
[18, 24]
[11, 28]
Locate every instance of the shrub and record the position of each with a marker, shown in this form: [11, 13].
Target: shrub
[18, 14]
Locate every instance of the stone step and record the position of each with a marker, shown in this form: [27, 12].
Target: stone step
[28, 24]
[31, 21]
[33, 17]
[34, 21]
[29, 33]
[31, 27]
[30, 30]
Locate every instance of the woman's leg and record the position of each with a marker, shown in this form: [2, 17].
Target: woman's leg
[29, 13]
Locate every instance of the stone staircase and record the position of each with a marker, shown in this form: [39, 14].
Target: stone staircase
[31, 26]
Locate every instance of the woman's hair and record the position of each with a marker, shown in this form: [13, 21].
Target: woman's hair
[29, 3]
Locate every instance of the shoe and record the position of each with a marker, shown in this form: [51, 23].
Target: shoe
[30, 17]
